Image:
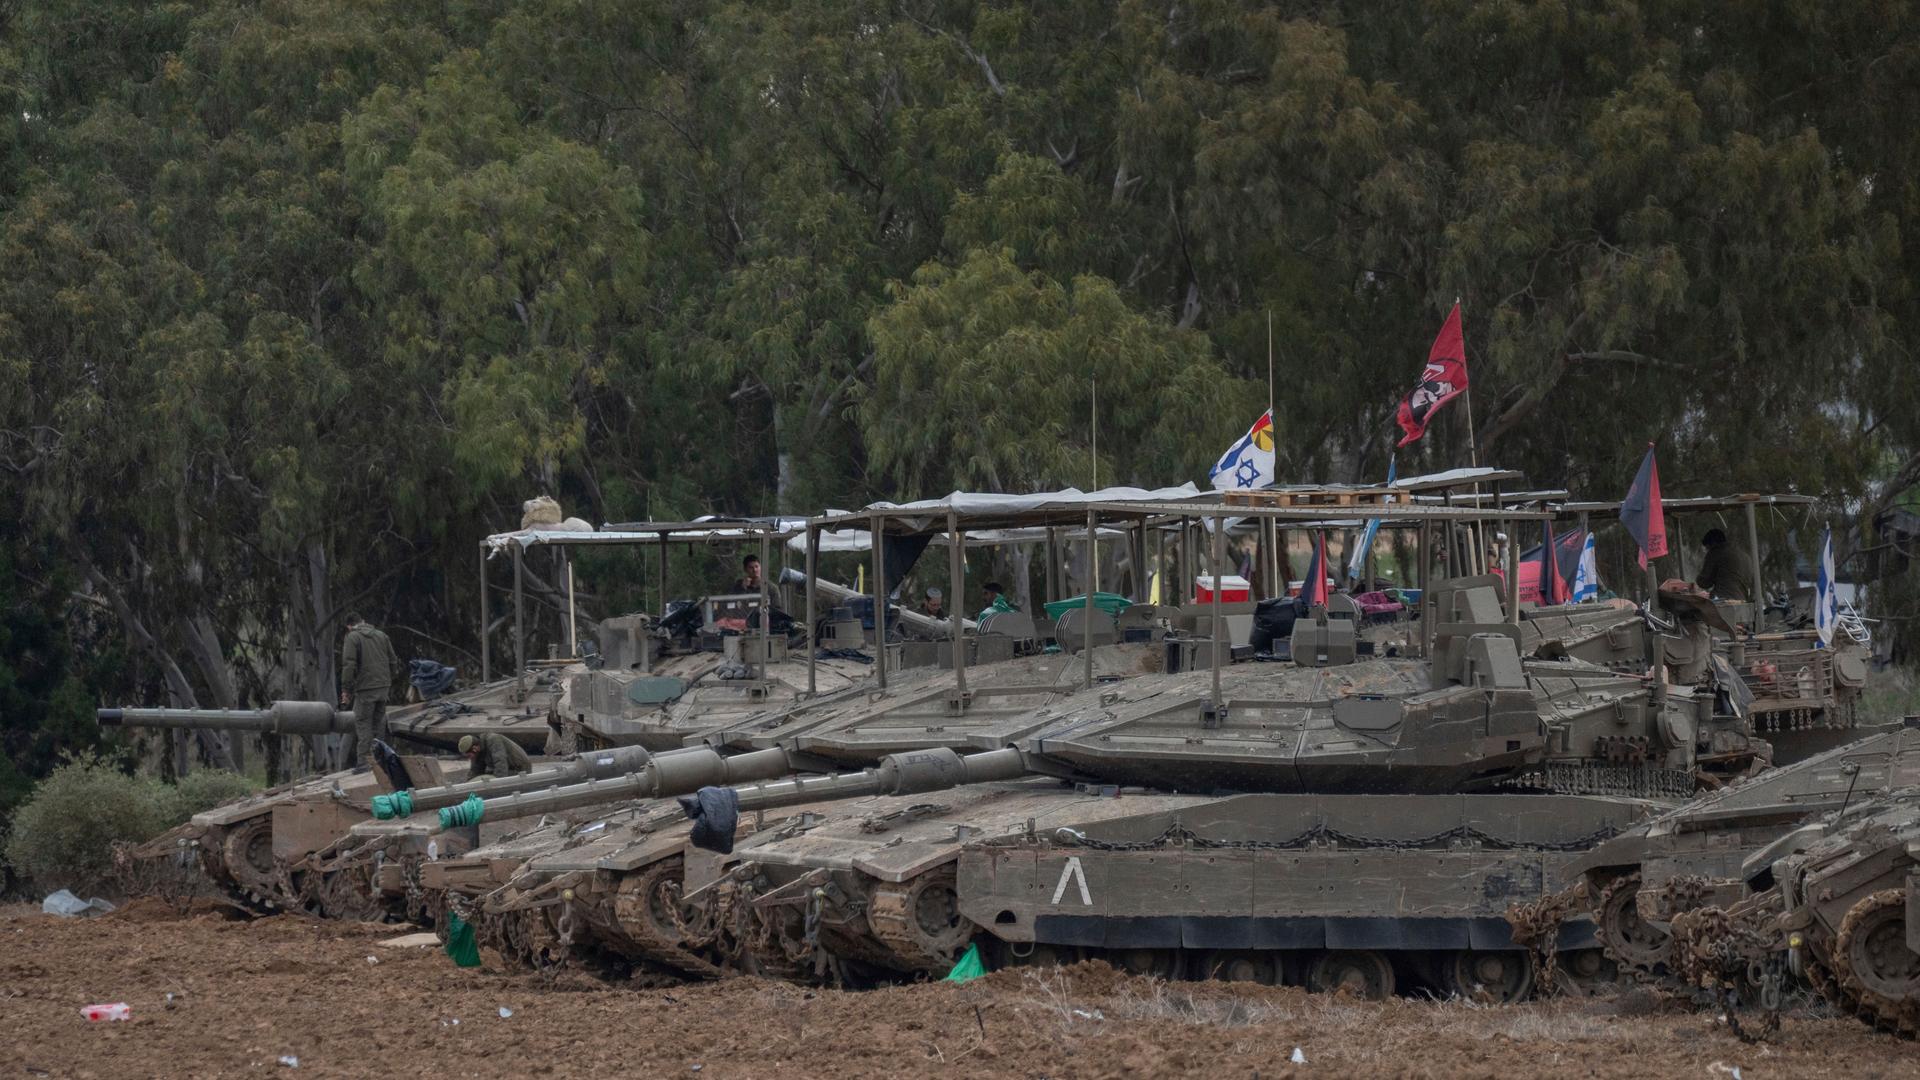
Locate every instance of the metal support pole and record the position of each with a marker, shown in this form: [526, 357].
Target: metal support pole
[879, 604]
[1053, 566]
[486, 640]
[663, 575]
[1219, 627]
[813, 617]
[1093, 554]
[766, 609]
[1137, 540]
[1178, 594]
[1753, 552]
[1425, 571]
[519, 614]
[1159, 568]
[956, 598]
[573, 624]
[1513, 576]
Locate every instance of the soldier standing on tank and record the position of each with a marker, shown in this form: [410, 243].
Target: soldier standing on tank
[368, 668]
[1726, 573]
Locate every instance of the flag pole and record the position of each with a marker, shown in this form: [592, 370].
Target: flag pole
[1270, 527]
[1473, 452]
[1094, 428]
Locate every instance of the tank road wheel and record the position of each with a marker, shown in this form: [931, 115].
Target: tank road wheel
[349, 894]
[1584, 972]
[247, 851]
[1234, 965]
[1873, 965]
[1629, 940]
[1038, 954]
[1362, 973]
[919, 919]
[1490, 977]
[1152, 963]
[647, 907]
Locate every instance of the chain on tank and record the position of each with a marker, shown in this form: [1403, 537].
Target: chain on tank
[1323, 835]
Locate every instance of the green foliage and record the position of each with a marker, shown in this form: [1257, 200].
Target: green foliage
[62, 836]
[204, 790]
[299, 299]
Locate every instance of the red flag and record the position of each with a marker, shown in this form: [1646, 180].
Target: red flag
[1444, 379]
[1314, 589]
[1642, 513]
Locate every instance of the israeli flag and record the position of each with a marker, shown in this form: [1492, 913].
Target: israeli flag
[1826, 600]
[1586, 577]
[1249, 462]
[1357, 565]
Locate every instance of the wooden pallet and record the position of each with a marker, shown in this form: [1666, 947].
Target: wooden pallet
[1335, 497]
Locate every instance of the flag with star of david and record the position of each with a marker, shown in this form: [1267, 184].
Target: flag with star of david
[1249, 462]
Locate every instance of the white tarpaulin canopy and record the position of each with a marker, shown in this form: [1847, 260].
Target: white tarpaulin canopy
[990, 510]
[697, 531]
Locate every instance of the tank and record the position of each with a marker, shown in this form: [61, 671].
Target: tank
[1840, 893]
[244, 847]
[1231, 837]
[1691, 858]
[1802, 696]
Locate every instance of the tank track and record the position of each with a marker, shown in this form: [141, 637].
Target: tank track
[1650, 967]
[918, 919]
[649, 913]
[1901, 1016]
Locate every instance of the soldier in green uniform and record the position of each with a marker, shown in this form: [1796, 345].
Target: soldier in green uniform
[368, 670]
[1727, 573]
[493, 754]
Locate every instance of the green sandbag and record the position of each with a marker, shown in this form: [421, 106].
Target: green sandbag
[968, 967]
[467, 813]
[398, 804]
[460, 942]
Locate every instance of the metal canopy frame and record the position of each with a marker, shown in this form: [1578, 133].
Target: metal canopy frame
[628, 534]
[1748, 504]
[934, 519]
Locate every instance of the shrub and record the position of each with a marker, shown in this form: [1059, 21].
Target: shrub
[204, 790]
[62, 836]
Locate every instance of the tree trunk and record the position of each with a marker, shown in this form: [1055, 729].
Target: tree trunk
[180, 693]
[203, 646]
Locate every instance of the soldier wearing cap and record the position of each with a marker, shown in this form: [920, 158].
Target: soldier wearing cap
[368, 669]
[493, 754]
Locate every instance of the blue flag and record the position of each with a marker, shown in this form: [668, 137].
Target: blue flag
[1357, 565]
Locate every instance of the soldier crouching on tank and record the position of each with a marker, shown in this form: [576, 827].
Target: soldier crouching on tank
[493, 754]
[368, 668]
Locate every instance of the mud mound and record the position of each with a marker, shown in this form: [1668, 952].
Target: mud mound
[215, 996]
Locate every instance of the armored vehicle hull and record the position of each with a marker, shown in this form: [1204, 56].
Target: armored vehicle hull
[1847, 902]
[1692, 857]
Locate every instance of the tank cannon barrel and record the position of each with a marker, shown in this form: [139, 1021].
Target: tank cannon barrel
[595, 765]
[913, 773]
[676, 772]
[919, 621]
[282, 718]
[686, 771]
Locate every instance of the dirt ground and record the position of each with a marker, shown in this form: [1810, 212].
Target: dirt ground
[246, 993]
